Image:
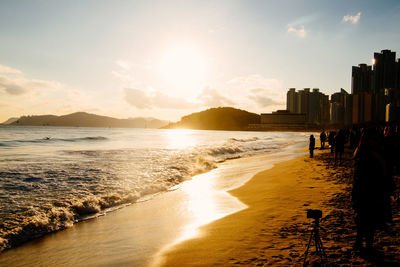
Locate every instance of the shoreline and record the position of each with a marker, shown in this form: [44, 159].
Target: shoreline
[251, 236]
[55, 215]
[138, 216]
[274, 230]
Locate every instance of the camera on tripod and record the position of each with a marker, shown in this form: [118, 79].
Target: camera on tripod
[314, 236]
[314, 214]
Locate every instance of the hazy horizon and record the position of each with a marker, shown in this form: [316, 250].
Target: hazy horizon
[167, 59]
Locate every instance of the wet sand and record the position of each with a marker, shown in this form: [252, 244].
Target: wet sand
[260, 222]
[132, 236]
[274, 230]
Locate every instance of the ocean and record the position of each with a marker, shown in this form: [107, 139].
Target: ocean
[53, 177]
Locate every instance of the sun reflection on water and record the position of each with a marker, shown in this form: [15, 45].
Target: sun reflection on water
[204, 201]
[180, 139]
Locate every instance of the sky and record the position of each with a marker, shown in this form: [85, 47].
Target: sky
[167, 59]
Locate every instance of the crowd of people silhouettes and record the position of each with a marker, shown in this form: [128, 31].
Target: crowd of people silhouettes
[375, 162]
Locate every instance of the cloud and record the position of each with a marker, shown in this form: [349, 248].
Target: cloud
[212, 98]
[262, 99]
[124, 64]
[9, 70]
[11, 87]
[122, 76]
[128, 73]
[254, 92]
[352, 19]
[257, 93]
[155, 99]
[14, 83]
[299, 31]
[124, 72]
[255, 81]
[20, 85]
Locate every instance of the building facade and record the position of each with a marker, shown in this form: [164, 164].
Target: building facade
[361, 78]
[374, 97]
[291, 100]
[313, 104]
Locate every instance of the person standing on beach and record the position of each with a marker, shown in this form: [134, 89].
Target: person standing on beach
[322, 138]
[312, 145]
[372, 188]
[339, 146]
[331, 140]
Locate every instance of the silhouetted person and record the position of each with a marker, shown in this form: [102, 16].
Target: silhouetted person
[312, 146]
[372, 188]
[322, 138]
[390, 148]
[331, 140]
[339, 146]
[396, 133]
[354, 139]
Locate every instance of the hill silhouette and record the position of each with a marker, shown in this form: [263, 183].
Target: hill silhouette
[222, 118]
[10, 120]
[83, 119]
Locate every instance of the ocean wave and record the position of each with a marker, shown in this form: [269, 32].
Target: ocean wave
[47, 139]
[203, 164]
[44, 195]
[223, 150]
[88, 138]
[19, 227]
[251, 139]
[40, 221]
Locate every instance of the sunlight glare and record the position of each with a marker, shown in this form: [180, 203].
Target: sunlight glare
[179, 139]
[183, 67]
[205, 203]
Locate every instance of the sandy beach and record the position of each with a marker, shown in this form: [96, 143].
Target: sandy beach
[134, 235]
[197, 225]
[274, 230]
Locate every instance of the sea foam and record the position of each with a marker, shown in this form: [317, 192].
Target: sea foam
[48, 184]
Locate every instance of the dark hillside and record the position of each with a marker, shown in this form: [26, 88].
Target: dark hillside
[222, 118]
[83, 119]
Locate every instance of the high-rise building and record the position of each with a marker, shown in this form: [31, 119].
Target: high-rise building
[384, 81]
[384, 70]
[315, 105]
[361, 78]
[324, 109]
[338, 107]
[393, 97]
[336, 113]
[397, 75]
[375, 96]
[291, 100]
[348, 110]
[303, 101]
[318, 108]
[362, 107]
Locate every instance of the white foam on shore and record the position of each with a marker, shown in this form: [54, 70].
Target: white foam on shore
[49, 184]
[140, 233]
[208, 195]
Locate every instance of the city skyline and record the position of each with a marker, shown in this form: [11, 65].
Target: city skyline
[374, 97]
[169, 59]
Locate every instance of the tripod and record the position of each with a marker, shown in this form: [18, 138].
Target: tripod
[319, 248]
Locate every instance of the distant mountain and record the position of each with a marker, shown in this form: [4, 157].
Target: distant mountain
[222, 118]
[83, 119]
[9, 121]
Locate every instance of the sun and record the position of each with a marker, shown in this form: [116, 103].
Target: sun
[183, 67]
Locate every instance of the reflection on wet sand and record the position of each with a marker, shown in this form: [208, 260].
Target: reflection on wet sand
[205, 204]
